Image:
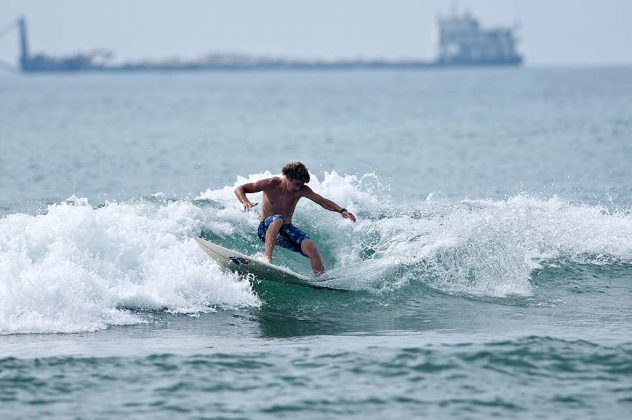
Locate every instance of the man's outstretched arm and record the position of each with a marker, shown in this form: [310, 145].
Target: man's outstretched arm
[327, 204]
[253, 187]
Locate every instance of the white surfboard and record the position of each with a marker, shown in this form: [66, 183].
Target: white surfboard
[249, 266]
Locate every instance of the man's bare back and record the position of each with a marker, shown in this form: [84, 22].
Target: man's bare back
[280, 196]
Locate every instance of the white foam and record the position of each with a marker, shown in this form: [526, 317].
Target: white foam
[76, 268]
[490, 248]
[479, 247]
[79, 268]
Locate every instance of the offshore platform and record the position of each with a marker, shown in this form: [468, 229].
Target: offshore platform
[461, 41]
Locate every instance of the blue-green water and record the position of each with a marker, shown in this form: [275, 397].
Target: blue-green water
[489, 273]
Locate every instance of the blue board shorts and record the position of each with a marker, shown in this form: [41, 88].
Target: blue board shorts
[290, 236]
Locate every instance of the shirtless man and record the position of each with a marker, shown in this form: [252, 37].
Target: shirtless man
[280, 195]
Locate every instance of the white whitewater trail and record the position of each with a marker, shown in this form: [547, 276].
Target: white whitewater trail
[77, 267]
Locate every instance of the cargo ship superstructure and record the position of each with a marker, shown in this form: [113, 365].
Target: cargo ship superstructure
[462, 41]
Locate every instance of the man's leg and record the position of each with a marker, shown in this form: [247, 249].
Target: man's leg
[309, 248]
[271, 237]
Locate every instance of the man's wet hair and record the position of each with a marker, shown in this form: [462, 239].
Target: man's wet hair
[296, 171]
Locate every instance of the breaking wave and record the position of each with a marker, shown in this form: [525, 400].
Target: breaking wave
[79, 266]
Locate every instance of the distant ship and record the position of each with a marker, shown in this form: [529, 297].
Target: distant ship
[461, 42]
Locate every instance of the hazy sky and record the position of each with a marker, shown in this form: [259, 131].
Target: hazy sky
[551, 31]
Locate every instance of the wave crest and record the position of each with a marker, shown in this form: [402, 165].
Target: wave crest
[82, 268]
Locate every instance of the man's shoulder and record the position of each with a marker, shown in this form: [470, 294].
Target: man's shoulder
[305, 190]
[275, 180]
[271, 182]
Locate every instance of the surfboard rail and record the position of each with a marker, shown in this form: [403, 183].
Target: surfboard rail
[248, 266]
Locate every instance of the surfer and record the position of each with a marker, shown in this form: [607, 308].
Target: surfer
[280, 195]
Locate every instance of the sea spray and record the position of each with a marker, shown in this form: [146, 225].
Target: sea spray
[490, 248]
[472, 247]
[77, 267]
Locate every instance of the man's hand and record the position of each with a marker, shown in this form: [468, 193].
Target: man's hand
[248, 205]
[348, 215]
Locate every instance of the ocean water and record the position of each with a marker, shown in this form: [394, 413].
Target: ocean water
[489, 273]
